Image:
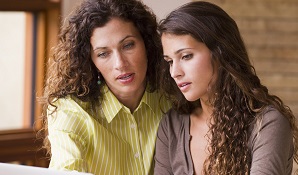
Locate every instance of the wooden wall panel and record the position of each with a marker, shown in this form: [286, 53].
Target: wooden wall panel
[284, 54]
[259, 8]
[270, 39]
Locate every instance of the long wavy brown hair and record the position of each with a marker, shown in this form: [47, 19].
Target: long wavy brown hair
[237, 95]
[70, 68]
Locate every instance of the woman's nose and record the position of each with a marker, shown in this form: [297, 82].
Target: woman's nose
[176, 70]
[120, 60]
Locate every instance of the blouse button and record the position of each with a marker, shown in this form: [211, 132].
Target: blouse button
[137, 155]
[132, 126]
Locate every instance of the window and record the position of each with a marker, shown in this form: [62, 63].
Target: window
[16, 61]
[29, 29]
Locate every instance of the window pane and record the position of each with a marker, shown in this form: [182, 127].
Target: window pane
[12, 70]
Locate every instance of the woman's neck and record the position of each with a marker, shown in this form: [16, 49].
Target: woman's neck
[131, 100]
[204, 112]
[199, 128]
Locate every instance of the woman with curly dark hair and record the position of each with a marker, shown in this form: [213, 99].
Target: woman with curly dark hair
[223, 120]
[101, 94]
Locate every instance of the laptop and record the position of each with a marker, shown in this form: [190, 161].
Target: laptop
[15, 169]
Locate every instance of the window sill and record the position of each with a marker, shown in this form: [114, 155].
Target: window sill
[23, 147]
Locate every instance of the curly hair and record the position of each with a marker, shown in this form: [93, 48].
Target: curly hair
[237, 96]
[70, 68]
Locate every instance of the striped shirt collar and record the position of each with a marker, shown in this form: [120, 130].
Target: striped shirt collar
[111, 105]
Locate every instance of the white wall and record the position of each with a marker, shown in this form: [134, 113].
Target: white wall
[160, 7]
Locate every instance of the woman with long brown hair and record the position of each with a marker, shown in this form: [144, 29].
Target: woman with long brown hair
[223, 120]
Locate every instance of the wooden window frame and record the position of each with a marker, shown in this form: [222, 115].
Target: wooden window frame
[21, 144]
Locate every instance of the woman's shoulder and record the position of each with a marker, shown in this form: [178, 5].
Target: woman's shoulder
[174, 115]
[71, 102]
[70, 105]
[271, 143]
[173, 119]
[68, 114]
[270, 123]
[274, 117]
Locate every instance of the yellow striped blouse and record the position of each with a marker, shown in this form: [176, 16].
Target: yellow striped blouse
[109, 140]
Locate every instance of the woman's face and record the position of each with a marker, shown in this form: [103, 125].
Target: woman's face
[118, 51]
[190, 64]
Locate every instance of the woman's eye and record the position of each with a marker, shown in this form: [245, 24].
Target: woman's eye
[128, 45]
[170, 62]
[188, 56]
[102, 55]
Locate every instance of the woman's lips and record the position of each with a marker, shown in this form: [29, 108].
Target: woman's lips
[184, 86]
[126, 78]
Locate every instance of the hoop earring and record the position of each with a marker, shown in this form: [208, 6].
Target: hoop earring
[98, 79]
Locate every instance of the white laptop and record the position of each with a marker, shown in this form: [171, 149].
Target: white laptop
[14, 169]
